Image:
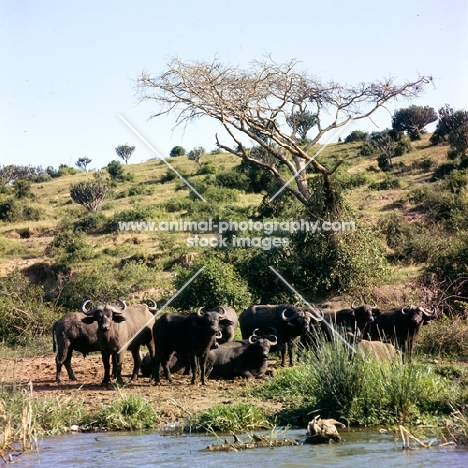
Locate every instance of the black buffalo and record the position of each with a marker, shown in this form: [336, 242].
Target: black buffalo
[72, 333]
[179, 364]
[289, 321]
[246, 358]
[399, 326]
[119, 329]
[350, 322]
[192, 333]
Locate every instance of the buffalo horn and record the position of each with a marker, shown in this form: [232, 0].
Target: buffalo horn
[353, 306]
[273, 331]
[219, 334]
[199, 312]
[433, 314]
[223, 313]
[286, 319]
[403, 311]
[83, 306]
[253, 338]
[153, 307]
[374, 305]
[120, 311]
[318, 318]
[274, 341]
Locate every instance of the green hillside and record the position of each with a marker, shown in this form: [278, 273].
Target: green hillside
[71, 254]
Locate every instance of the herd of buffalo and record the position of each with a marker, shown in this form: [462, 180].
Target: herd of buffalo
[195, 342]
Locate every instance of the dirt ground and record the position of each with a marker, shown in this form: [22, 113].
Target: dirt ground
[176, 401]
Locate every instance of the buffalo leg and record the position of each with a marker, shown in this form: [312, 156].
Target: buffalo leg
[136, 363]
[194, 366]
[202, 360]
[106, 363]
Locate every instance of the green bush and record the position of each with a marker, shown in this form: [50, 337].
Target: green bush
[23, 313]
[177, 151]
[70, 247]
[169, 176]
[233, 418]
[390, 182]
[91, 222]
[207, 167]
[337, 383]
[443, 170]
[22, 189]
[218, 283]
[64, 170]
[12, 210]
[104, 283]
[356, 135]
[410, 241]
[126, 413]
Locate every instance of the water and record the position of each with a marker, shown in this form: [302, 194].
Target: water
[122, 450]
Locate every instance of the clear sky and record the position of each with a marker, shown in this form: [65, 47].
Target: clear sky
[68, 66]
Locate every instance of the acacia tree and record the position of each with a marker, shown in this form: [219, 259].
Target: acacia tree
[124, 152]
[413, 120]
[90, 194]
[82, 163]
[259, 101]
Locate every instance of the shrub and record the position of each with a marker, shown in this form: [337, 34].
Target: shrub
[443, 170]
[233, 179]
[169, 176]
[12, 210]
[90, 194]
[233, 418]
[64, 170]
[207, 167]
[23, 313]
[88, 223]
[390, 182]
[177, 151]
[356, 135]
[103, 283]
[410, 241]
[218, 283]
[70, 247]
[22, 189]
[116, 171]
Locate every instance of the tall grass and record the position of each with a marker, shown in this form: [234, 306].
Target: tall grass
[334, 381]
[231, 418]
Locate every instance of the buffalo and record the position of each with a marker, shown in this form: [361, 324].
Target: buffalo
[179, 364]
[227, 323]
[73, 333]
[399, 326]
[351, 321]
[289, 321]
[193, 333]
[246, 358]
[119, 329]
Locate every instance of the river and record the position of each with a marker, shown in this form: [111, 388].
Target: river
[359, 449]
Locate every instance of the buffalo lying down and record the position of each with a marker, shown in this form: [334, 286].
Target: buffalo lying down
[249, 359]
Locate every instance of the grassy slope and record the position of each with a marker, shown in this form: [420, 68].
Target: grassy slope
[53, 199]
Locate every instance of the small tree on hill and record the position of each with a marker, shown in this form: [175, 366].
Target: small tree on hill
[413, 120]
[90, 194]
[449, 121]
[196, 154]
[124, 152]
[177, 151]
[82, 163]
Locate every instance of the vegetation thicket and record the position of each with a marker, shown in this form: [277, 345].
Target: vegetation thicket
[68, 235]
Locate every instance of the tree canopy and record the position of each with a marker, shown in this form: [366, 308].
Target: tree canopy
[259, 101]
[413, 119]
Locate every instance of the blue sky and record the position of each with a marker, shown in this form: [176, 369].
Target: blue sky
[68, 67]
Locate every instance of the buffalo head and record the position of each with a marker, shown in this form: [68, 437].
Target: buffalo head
[106, 314]
[365, 313]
